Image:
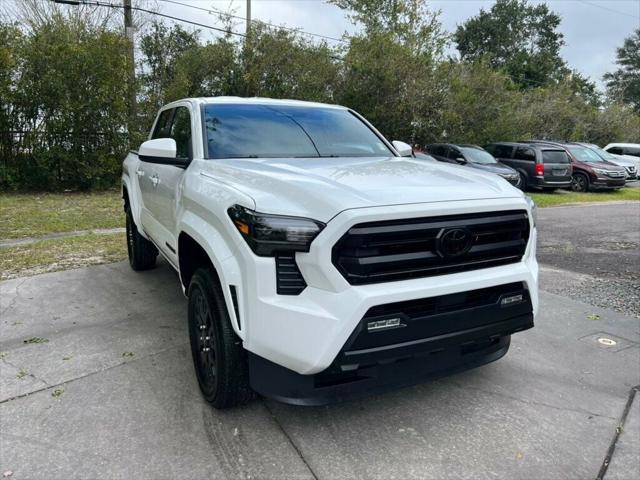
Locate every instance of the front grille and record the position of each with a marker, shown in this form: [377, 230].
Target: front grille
[412, 248]
[615, 174]
[289, 280]
[441, 315]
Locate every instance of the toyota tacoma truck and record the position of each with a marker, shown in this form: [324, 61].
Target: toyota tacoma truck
[322, 262]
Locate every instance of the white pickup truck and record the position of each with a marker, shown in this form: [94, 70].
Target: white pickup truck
[322, 262]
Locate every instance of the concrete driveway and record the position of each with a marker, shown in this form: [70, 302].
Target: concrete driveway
[105, 389]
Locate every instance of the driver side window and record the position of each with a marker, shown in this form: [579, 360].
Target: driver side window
[181, 132]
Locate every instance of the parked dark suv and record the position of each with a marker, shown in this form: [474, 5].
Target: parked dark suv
[590, 172]
[539, 166]
[474, 157]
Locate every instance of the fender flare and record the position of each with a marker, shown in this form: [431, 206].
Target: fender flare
[133, 196]
[222, 259]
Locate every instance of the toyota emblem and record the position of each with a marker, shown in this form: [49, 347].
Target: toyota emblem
[453, 242]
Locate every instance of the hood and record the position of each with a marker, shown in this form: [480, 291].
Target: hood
[605, 166]
[497, 168]
[623, 161]
[320, 188]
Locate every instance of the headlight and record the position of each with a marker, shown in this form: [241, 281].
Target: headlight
[267, 234]
[599, 171]
[534, 209]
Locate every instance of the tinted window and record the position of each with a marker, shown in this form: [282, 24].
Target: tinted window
[525, 153]
[454, 153]
[253, 131]
[181, 132]
[615, 150]
[438, 150]
[555, 156]
[503, 151]
[632, 151]
[163, 125]
[476, 155]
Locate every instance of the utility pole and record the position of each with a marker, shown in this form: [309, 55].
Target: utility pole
[248, 30]
[129, 32]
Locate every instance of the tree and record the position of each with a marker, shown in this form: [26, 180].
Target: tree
[623, 85]
[389, 73]
[161, 47]
[72, 109]
[517, 37]
[280, 64]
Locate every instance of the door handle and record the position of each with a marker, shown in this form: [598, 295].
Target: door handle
[140, 173]
[155, 180]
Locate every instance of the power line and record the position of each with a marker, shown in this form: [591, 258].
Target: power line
[216, 10]
[164, 15]
[609, 9]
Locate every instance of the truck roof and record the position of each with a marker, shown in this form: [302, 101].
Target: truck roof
[255, 101]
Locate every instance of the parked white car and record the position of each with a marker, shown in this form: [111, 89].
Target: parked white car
[322, 262]
[627, 151]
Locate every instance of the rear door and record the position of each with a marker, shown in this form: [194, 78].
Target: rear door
[557, 165]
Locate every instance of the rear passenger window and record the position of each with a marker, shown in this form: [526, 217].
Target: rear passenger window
[163, 125]
[525, 153]
[632, 151]
[438, 150]
[503, 151]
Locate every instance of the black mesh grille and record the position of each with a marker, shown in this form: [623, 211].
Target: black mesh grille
[289, 280]
[402, 249]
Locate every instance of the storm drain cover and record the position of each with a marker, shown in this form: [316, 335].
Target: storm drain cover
[607, 341]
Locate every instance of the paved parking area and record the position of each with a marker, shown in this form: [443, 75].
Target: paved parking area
[105, 389]
[591, 253]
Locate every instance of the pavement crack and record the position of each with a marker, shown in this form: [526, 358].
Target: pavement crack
[619, 429]
[90, 374]
[15, 298]
[290, 440]
[533, 402]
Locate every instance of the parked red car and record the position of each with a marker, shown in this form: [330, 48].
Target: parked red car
[590, 172]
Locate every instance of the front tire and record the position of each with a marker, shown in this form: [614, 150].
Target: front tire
[218, 356]
[522, 182]
[579, 183]
[142, 253]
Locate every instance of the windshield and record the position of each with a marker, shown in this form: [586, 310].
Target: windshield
[602, 153]
[277, 131]
[475, 155]
[583, 154]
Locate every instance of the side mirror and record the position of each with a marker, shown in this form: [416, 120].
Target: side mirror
[461, 160]
[404, 149]
[161, 150]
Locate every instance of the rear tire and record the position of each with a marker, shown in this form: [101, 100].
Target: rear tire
[142, 253]
[579, 182]
[219, 359]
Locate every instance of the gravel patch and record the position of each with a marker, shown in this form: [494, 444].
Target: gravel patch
[619, 294]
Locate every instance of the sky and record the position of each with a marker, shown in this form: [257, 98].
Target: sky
[593, 29]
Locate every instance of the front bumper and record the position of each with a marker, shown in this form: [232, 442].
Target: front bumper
[444, 341]
[607, 183]
[305, 333]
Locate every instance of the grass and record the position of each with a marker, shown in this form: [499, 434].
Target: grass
[562, 197]
[61, 254]
[34, 215]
